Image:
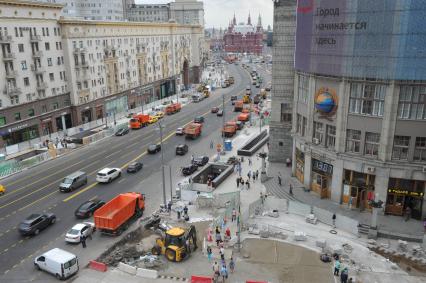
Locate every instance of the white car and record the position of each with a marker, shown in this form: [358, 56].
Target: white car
[179, 131]
[75, 233]
[106, 175]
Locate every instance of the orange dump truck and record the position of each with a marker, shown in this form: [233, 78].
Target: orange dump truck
[138, 121]
[173, 108]
[117, 214]
[244, 117]
[193, 130]
[238, 106]
[230, 129]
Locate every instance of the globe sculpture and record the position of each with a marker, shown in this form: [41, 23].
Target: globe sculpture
[324, 102]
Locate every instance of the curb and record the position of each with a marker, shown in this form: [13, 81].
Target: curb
[175, 278]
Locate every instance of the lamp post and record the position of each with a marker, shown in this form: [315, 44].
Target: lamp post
[162, 163]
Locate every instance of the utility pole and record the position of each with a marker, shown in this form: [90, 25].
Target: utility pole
[162, 163]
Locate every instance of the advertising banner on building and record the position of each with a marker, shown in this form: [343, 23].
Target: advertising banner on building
[384, 39]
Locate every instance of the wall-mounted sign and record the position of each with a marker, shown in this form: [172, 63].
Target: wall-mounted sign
[17, 128]
[322, 167]
[326, 102]
[405, 192]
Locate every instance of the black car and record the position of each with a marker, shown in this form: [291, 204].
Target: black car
[188, 170]
[122, 132]
[256, 99]
[87, 208]
[219, 113]
[199, 119]
[181, 149]
[233, 99]
[200, 160]
[232, 160]
[215, 109]
[134, 167]
[34, 223]
[268, 88]
[154, 148]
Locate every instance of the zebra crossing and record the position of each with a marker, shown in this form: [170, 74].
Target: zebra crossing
[273, 188]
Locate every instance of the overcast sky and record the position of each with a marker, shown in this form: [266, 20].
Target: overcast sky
[218, 13]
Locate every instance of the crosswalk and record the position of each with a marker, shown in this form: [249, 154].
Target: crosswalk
[278, 191]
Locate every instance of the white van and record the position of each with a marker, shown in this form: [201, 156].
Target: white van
[58, 262]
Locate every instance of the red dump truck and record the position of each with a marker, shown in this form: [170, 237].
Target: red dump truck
[230, 129]
[193, 130]
[244, 117]
[238, 106]
[138, 121]
[117, 214]
[173, 108]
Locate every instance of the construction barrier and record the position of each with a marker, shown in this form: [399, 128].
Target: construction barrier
[99, 266]
[201, 279]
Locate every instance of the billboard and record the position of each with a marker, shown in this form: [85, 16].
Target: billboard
[380, 39]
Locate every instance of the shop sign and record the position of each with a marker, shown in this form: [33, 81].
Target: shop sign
[17, 128]
[322, 167]
[405, 192]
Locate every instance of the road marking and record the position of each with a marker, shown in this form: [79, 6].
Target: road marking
[110, 155]
[6, 271]
[20, 241]
[80, 192]
[122, 179]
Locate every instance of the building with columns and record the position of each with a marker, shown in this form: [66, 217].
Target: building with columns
[359, 109]
[62, 72]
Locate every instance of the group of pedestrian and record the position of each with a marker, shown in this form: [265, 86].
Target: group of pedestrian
[221, 270]
[254, 175]
[344, 271]
[244, 184]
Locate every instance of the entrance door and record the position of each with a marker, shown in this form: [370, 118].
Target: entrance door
[415, 204]
[86, 116]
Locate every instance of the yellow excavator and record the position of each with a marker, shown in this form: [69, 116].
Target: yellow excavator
[177, 243]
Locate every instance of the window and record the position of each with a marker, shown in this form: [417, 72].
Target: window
[55, 105]
[17, 116]
[47, 46]
[49, 61]
[353, 141]
[43, 108]
[412, 102]
[330, 141]
[51, 77]
[419, 149]
[30, 112]
[318, 131]
[285, 115]
[400, 147]
[367, 99]
[372, 144]
[2, 121]
[29, 97]
[303, 88]
[24, 65]
[26, 81]
[21, 48]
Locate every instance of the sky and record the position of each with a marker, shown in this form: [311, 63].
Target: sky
[218, 13]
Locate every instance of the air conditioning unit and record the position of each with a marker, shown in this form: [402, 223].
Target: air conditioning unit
[424, 169]
[371, 169]
[315, 141]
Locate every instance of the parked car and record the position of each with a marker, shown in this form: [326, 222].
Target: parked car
[87, 208]
[181, 149]
[106, 175]
[179, 131]
[199, 119]
[200, 160]
[73, 181]
[188, 170]
[2, 189]
[232, 160]
[78, 230]
[134, 167]
[268, 88]
[154, 148]
[257, 85]
[122, 132]
[215, 109]
[57, 262]
[33, 224]
[219, 113]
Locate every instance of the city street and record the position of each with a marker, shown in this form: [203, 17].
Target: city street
[36, 190]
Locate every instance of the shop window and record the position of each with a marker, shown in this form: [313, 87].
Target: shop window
[372, 144]
[30, 112]
[17, 116]
[331, 136]
[420, 149]
[400, 147]
[318, 131]
[2, 121]
[412, 102]
[367, 99]
[353, 141]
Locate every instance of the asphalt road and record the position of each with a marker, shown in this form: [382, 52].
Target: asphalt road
[36, 190]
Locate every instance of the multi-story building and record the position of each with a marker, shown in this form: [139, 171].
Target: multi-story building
[244, 38]
[360, 103]
[61, 72]
[181, 11]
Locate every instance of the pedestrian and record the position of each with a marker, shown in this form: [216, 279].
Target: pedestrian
[261, 197]
[192, 158]
[216, 269]
[334, 220]
[169, 206]
[248, 184]
[279, 181]
[231, 265]
[250, 163]
[211, 144]
[209, 253]
[407, 213]
[178, 214]
[257, 174]
[254, 177]
[336, 267]
[350, 280]
[344, 275]
[224, 272]
[291, 190]
[217, 230]
[218, 239]
[185, 210]
[222, 253]
[238, 182]
[249, 174]
[83, 241]
[228, 233]
[234, 215]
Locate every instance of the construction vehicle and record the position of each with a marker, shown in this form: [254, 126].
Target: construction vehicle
[246, 99]
[231, 80]
[230, 129]
[244, 117]
[138, 121]
[175, 243]
[193, 130]
[206, 93]
[227, 83]
[116, 215]
[238, 106]
[201, 88]
[173, 108]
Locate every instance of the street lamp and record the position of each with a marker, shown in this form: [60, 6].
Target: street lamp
[162, 162]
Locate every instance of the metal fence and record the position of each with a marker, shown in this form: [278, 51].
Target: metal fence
[227, 202]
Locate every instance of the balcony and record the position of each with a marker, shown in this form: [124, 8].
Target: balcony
[5, 38]
[11, 74]
[41, 86]
[12, 90]
[37, 54]
[8, 56]
[84, 92]
[37, 70]
[35, 38]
